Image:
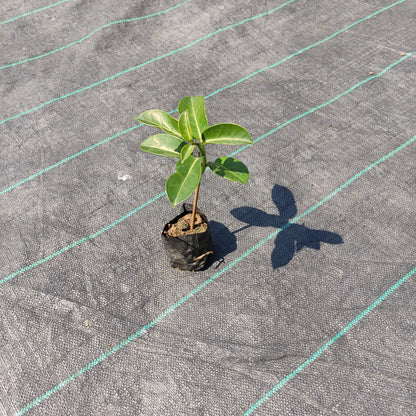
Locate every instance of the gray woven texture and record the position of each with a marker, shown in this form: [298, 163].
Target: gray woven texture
[224, 348]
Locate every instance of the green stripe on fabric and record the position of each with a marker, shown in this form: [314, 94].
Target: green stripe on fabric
[207, 96]
[33, 12]
[77, 243]
[309, 47]
[68, 158]
[82, 240]
[92, 33]
[176, 305]
[382, 72]
[324, 347]
[145, 63]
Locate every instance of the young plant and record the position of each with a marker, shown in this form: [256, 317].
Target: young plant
[185, 139]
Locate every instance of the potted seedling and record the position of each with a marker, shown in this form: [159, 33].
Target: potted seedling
[187, 237]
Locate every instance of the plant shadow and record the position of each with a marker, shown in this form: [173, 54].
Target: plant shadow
[224, 242]
[293, 237]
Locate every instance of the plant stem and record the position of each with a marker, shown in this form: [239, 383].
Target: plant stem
[194, 207]
[201, 152]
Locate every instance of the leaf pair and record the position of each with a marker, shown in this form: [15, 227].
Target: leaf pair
[192, 119]
[194, 108]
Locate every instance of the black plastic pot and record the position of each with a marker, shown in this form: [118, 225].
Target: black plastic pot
[191, 251]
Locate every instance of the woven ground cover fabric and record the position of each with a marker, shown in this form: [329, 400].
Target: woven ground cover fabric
[307, 307]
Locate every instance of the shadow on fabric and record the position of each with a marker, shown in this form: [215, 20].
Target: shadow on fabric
[224, 242]
[294, 237]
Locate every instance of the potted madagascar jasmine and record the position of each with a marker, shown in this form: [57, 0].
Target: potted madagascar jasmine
[187, 237]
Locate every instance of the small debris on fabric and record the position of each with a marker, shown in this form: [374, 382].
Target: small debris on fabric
[402, 54]
[123, 177]
[371, 73]
[87, 323]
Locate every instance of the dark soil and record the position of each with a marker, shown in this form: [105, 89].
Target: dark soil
[183, 226]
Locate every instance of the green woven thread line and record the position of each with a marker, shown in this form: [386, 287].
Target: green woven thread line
[322, 349]
[92, 33]
[145, 63]
[33, 12]
[310, 46]
[78, 242]
[332, 194]
[198, 289]
[207, 96]
[39, 262]
[68, 158]
[298, 117]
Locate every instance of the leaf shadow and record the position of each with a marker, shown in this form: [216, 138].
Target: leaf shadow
[293, 237]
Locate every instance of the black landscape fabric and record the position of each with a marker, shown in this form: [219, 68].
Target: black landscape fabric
[307, 306]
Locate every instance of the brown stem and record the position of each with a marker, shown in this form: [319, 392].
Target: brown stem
[201, 150]
[194, 208]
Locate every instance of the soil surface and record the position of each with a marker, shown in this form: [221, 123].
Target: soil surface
[183, 226]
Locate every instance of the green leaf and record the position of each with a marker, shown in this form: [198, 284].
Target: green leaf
[187, 151]
[164, 145]
[182, 183]
[160, 119]
[196, 113]
[185, 126]
[227, 133]
[230, 168]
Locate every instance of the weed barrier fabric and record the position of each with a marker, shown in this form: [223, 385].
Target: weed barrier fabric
[286, 317]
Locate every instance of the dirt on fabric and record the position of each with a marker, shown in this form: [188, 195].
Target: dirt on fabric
[183, 226]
